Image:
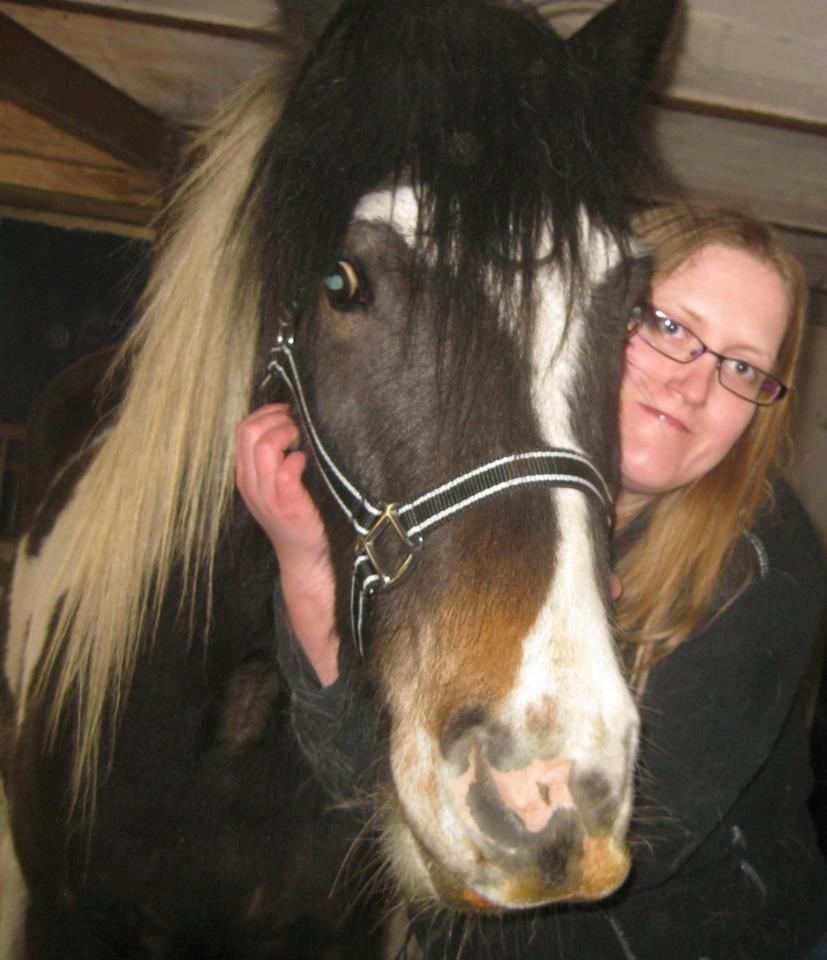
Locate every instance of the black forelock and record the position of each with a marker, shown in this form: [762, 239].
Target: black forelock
[481, 107]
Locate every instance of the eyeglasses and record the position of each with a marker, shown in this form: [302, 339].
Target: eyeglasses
[676, 341]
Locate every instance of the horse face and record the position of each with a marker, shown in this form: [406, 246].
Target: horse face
[512, 733]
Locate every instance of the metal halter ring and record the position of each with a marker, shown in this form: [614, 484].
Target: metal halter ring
[389, 518]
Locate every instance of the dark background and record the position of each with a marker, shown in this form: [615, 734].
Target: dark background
[63, 294]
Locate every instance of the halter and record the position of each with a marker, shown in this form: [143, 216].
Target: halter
[409, 522]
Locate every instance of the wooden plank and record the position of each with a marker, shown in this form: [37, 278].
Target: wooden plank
[77, 179]
[728, 111]
[97, 221]
[180, 75]
[49, 206]
[778, 173]
[43, 167]
[766, 56]
[25, 134]
[226, 23]
[50, 85]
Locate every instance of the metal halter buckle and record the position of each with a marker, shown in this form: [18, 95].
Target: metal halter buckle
[369, 543]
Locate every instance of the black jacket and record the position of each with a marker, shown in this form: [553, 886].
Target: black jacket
[726, 863]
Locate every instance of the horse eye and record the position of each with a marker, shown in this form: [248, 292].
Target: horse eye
[344, 285]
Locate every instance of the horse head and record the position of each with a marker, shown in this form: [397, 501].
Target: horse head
[447, 271]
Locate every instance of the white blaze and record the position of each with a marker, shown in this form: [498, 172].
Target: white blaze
[397, 208]
[568, 656]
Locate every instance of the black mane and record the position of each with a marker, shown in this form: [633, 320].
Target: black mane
[483, 108]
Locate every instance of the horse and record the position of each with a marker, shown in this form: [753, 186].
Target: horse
[415, 230]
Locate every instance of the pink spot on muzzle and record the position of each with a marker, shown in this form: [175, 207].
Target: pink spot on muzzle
[533, 793]
[536, 792]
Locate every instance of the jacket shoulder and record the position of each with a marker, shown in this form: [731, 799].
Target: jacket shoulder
[784, 540]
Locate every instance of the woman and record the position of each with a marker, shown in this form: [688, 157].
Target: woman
[722, 594]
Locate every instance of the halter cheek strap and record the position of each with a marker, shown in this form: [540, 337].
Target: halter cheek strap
[406, 524]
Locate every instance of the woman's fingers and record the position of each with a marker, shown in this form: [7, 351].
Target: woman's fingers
[289, 488]
[278, 477]
[261, 442]
[267, 410]
[269, 477]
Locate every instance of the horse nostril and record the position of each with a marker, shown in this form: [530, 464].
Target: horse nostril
[462, 731]
[597, 802]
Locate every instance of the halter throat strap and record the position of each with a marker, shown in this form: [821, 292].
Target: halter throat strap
[403, 526]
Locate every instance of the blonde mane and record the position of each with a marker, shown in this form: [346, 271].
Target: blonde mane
[161, 481]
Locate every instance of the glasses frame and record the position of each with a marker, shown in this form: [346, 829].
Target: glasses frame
[633, 328]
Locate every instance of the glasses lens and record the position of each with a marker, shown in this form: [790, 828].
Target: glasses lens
[771, 389]
[746, 381]
[668, 336]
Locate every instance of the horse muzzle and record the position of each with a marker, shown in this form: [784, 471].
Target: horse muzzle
[533, 835]
[603, 868]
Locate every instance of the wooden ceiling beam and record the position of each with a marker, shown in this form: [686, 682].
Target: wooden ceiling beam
[49, 84]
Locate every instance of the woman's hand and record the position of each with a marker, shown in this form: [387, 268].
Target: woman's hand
[269, 479]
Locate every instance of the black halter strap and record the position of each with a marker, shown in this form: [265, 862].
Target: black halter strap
[408, 523]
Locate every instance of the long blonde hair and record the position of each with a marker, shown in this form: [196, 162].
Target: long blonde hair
[663, 603]
[191, 361]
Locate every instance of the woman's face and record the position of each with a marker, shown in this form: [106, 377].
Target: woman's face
[676, 421]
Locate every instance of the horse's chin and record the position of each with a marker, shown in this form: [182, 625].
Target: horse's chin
[424, 878]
